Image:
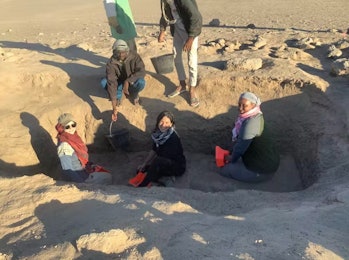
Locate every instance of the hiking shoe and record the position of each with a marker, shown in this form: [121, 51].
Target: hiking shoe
[167, 181]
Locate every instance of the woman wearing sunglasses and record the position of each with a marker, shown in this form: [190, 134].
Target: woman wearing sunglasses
[73, 155]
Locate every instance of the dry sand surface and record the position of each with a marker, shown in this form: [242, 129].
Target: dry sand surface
[52, 56]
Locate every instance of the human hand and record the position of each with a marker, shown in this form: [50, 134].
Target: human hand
[119, 29]
[228, 158]
[141, 168]
[114, 115]
[161, 37]
[125, 87]
[188, 44]
[113, 22]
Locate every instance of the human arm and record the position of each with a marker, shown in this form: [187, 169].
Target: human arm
[112, 83]
[250, 128]
[150, 157]
[188, 43]
[162, 36]
[191, 16]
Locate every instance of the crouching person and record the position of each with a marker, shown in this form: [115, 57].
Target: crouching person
[125, 72]
[73, 155]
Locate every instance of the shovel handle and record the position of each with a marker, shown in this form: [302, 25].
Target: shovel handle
[110, 126]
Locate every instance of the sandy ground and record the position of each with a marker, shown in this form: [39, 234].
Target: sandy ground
[52, 56]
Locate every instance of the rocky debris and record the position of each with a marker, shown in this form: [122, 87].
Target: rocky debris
[291, 53]
[85, 46]
[214, 22]
[306, 43]
[342, 44]
[334, 52]
[340, 67]
[221, 42]
[248, 64]
[231, 46]
[259, 43]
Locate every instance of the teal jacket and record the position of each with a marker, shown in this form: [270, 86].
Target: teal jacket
[122, 10]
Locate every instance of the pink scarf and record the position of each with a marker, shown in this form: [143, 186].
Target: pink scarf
[241, 118]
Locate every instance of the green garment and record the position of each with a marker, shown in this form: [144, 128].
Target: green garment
[125, 20]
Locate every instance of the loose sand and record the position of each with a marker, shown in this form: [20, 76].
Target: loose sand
[52, 56]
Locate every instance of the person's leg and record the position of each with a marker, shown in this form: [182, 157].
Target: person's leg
[158, 168]
[193, 63]
[193, 72]
[119, 93]
[132, 45]
[239, 172]
[179, 38]
[135, 88]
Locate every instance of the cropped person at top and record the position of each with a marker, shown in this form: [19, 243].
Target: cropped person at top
[120, 20]
[185, 23]
[254, 157]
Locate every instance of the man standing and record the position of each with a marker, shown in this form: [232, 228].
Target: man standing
[125, 74]
[185, 22]
[121, 21]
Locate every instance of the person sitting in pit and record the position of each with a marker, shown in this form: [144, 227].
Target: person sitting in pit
[253, 157]
[73, 155]
[166, 158]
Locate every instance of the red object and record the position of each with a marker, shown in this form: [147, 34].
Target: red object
[138, 179]
[220, 154]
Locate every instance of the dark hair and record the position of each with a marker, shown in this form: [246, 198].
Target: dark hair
[161, 116]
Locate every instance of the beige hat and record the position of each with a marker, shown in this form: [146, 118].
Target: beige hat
[120, 45]
[65, 118]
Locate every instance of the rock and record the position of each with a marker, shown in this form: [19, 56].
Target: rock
[207, 50]
[214, 22]
[342, 44]
[259, 43]
[340, 67]
[84, 46]
[334, 52]
[221, 42]
[249, 64]
[304, 43]
[291, 53]
[251, 26]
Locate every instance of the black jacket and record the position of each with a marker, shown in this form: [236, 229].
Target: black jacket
[188, 11]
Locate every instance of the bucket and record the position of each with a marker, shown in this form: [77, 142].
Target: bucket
[220, 154]
[119, 138]
[163, 64]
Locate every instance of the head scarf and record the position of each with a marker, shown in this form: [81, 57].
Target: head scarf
[242, 117]
[251, 97]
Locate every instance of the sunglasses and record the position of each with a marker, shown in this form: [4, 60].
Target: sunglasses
[70, 126]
